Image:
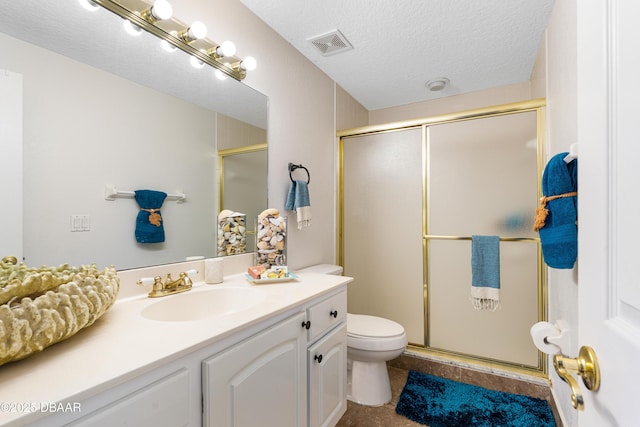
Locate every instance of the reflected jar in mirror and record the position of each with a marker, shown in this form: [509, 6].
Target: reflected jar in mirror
[232, 233]
[271, 240]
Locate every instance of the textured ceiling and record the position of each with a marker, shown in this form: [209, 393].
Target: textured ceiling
[399, 45]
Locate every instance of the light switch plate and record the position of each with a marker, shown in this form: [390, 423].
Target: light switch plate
[80, 222]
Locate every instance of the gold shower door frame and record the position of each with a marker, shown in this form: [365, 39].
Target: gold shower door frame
[537, 106]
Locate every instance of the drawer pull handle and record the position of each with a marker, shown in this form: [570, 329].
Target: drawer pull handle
[306, 324]
[333, 313]
[318, 357]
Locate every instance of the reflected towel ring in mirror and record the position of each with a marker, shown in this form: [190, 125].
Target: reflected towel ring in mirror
[293, 167]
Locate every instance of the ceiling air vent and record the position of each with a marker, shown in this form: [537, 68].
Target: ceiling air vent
[331, 43]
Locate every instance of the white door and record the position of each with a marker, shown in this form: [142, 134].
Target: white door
[609, 206]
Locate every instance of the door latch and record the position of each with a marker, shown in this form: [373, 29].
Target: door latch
[586, 366]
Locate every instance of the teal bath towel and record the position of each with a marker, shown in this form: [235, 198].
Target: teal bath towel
[299, 202]
[149, 224]
[485, 272]
[559, 230]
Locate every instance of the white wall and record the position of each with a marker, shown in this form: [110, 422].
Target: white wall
[479, 99]
[562, 132]
[301, 118]
[11, 163]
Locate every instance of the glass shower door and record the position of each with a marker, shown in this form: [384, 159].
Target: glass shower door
[382, 227]
[483, 180]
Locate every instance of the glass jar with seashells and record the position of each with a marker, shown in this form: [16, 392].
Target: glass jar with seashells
[232, 233]
[271, 239]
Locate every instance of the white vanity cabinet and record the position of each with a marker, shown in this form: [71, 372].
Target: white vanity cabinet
[260, 381]
[162, 403]
[327, 360]
[286, 368]
[291, 374]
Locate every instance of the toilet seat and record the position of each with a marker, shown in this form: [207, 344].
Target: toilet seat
[374, 333]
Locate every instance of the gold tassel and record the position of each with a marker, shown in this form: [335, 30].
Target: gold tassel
[154, 216]
[155, 219]
[541, 215]
[542, 211]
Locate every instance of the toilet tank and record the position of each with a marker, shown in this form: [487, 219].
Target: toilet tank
[333, 269]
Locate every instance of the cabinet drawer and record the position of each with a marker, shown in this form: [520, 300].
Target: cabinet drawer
[326, 314]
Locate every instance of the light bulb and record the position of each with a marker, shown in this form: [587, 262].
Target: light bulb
[196, 31]
[227, 48]
[249, 63]
[168, 46]
[162, 9]
[196, 62]
[132, 28]
[220, 75]
[89, 5]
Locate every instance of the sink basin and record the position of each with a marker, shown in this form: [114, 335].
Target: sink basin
[192, 306]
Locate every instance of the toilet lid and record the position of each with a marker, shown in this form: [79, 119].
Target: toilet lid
[372, 326]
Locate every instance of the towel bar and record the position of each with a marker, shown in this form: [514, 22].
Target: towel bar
[502, 239]
[111, 192]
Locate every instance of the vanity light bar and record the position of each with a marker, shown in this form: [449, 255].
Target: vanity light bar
[169, 30]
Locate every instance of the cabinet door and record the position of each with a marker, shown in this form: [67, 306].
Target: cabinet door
[328, 378]
[165, 403]
[261, 381]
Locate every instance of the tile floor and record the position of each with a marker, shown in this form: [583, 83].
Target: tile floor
[379, 416]
[385, 416]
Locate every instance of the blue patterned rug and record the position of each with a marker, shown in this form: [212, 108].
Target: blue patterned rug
[439, 402]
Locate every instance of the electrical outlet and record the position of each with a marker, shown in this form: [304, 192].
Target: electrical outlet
[80, 222]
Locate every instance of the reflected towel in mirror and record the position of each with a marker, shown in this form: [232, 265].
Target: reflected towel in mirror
[149, 224]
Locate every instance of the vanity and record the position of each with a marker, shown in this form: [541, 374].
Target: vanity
[234, 353]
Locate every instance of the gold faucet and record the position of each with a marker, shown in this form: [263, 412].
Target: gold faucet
[170, 286]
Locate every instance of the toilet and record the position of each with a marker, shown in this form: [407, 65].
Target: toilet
[371, 342]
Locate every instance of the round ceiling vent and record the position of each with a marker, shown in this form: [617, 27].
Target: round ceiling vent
[436, 85]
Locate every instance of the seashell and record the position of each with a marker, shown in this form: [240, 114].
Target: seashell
[268, 212]
[224, 214]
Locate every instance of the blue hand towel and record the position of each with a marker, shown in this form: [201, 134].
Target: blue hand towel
[559, 232]
[298, 201]
[485, 272]
[149, 224]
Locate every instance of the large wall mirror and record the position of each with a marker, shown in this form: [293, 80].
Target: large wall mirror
[100, 108]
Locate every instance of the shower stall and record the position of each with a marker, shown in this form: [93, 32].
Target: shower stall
[412, 194]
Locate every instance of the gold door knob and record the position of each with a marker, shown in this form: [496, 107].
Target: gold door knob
[586, 366]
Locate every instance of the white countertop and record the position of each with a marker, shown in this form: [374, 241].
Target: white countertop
[123, 344]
